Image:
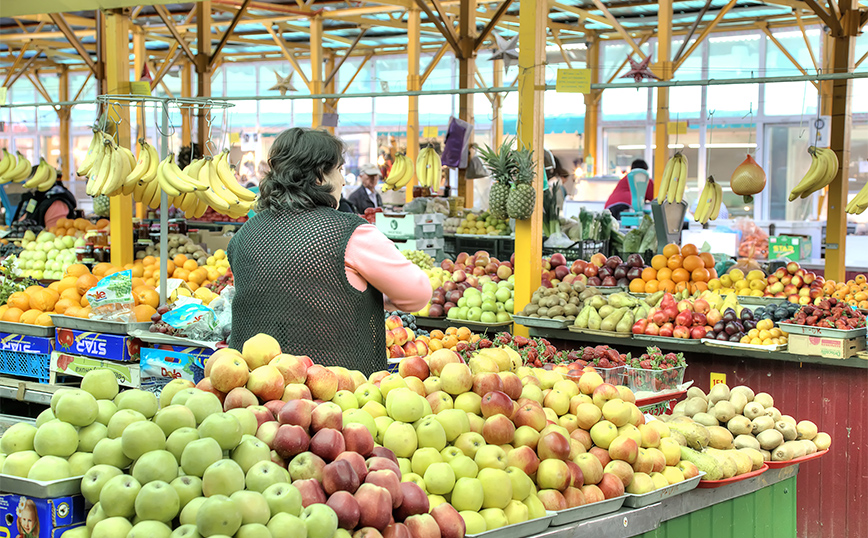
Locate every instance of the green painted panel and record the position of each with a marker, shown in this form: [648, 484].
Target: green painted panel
[767, 513]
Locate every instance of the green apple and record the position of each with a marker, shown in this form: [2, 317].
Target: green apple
[284, 525]
[382, 424]
[110, 452]
[358, 416]
[202, 404]
[59, 394]
[464, 466]
[535, 507]
[190, 511]
[435, 500]
[450, 453]
[474, 523]
[55, 438]
[467, 495]
[80, 462]
[505, 316]
[497, 487]
[172, 388]
[181, 397]
[494, 518]
[516, 512]
[283, 497]
[390, 383]
[368, 392]
[423, 458]
[254, 530]
[101, 384]
[174, 417]
[199, 455]
[94, 516]
[223, 428]
[254, 507]
[223, 477]
[246, 418]
[430, 433]
[18, 438]
[95, 478]
[404, 405]
[150, 529]
[218, 515]
[454, 422]
[469, 402]
[439, 478]
[49, 468]
[346, 400]
[83, 532]
[121, 419]
[405, 465]
[320, 520]
[111, 527]
[522, 485]
[139, 400]
[157, 501]
[44, 417]
[416, 479]
[490, 456]
[155, 465]
[90, 435]
[188, 488]
[264, 474]
[249, 452]
[118, 496]
[470, 443]
[179, 439]
[187, 531]
[141, 437]
[401, 439]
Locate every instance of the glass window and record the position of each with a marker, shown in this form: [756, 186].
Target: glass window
[686, 103]
[791, 98]
[733, 56]
[623, 147]
[860, 85]
[727, 146]
[629, 103]
[788, 160]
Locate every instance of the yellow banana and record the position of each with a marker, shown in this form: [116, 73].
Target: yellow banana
[705, 202]
[227, 177]
[815, 171]
[162, 178]
[831, 160]
[6, 162]
[397, 171]
[131, 159]
[200, 210]
[176, 177]
[682, 180]
[209, 196]
[154, 158]
[20, 171]
[119, 171]
[139, 191]
[157, 196]
[38, 175]
[90, 158]
[104, 170]
[141, 166]
[218, 187]
[718, 200]
[663, 188]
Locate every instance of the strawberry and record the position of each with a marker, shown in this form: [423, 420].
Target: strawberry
[485, 343]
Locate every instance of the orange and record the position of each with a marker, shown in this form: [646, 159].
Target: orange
[30, 290]
[680, 275]
[148, 274]
[72, 311]
[84, 302]
[637, 285]
[437, 334]
[101, 268]
[649, 273]
[77, 270]
[180, 259]
[144, 312]
[652, 286]
[689, 250]
[667, 285]
[3, 310]
[150, 282]
[860, 279]
[434, 345]
[181, 273]
[55, 286]
[700, 286]
[112, 271]
[43, 320]
[42, 301]
[671, 250]
[193, 286]
[190, 265]
[691, 263]
[170, 267]
[451, 331]
[136, 282]
[475, 338]
[450, 342]
[71, 294]
[674, 262]
[658, 262]
[19, 300]
[464, 334]
[664, 274]
[70, 232]
[102, 223]
[700, 275]
[148, 297]
[85, 282]
[62, 305]
[30, 316]
[197, 277]
[84, 313]
[138, 270]
[712, 273]
[149, 260]
[13, 314]
[67, 282]
[707, 258]
[681, 286]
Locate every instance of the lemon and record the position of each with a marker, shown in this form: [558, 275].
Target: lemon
[736, 275]
[756, 274]
[220, 254]
[726, 281]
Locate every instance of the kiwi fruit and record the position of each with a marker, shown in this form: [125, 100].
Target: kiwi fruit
[543, 312]
[571, 310]
[806, 430]
[823, 441]
[747, 391]
[774, 413]
[797, 448]
[810, 447]
[723, 410]
[770, 439]
[788, 418]
[767, 456]
[718, 392]
[753, 410]
[738, 401]
[783, 453]
[740, 425]
[556, 311]
[679, 438]
[765, 399]
[746, 441]
[786, 429]
[761, 424]
[696, 392]
[743, 461]
[705, 419]
[694, 406]
[679, 407]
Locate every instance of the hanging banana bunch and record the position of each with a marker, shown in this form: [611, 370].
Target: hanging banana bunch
[823, 169]
[43, 178]
[674, 180]
[708, 206]
[400, 174]
[14, 167]
[428, 168]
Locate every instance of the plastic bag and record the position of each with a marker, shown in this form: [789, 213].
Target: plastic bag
[559, 240]
[754, 241]
[112, 298]
[195, 321]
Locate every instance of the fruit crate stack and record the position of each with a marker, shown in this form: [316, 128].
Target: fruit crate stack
[414, 232]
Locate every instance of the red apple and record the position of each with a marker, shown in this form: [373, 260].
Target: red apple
[414, 501]
[290, 440]
[388, 480]
[311, 492]
[327, 443]
[357, 461]
[339, 476]
[346, 507]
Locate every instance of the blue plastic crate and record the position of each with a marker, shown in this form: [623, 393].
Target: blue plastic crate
[29, 365]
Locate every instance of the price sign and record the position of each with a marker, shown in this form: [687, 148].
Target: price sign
[430, 132]
[140, 87]
[573, 81]
[717, 378]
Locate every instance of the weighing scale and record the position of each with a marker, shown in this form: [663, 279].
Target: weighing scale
[638, 180]
[668, 222]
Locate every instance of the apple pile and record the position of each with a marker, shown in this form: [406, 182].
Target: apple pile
[829, 313]
[599, 271]
[686, 319]
[401, 341]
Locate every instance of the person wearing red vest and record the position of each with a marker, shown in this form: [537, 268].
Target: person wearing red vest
[621, 200]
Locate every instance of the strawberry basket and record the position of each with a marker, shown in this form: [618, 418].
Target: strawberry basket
[655, 372]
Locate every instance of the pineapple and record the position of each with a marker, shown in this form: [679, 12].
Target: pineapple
[503, 166]
[522, 198]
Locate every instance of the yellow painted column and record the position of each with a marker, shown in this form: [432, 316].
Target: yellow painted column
[533, 16]
[497, 105]
[64, 113]
[140, 55]
[186, 91]
[117, 71]
[466, 66]
[316, 78]
[413, 84]
[592, 109]
[664, 71]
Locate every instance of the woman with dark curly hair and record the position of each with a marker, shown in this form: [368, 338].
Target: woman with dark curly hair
[310, 276]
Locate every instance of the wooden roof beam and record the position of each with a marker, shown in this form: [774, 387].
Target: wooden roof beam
[501, 10]
[692, 30]
[228, 32]
[23, 69]
[801, 24]
[582, 13]
[765, 29]
[288, 55]
[333, 102]
[167, 20]
[60, 21]
[344, 58]
[828, 18]
[443, 24]
[705, 31]
[613, 22]
[434, 61]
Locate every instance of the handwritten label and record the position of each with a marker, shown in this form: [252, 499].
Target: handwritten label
[717, 378]
[573, 81]
[430, 132]
[140, 87]
[677, 127]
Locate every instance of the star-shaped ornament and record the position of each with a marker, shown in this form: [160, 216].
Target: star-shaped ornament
[640, 70]
[504, 49]
[284, 84]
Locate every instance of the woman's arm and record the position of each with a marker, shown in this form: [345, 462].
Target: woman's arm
[371, 258]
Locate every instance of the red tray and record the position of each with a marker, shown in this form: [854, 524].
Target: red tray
[803, 459]
[651, 400]
[739, 478]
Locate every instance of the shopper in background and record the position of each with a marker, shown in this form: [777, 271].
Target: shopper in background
[621, 200]
[46, 208]
[367, 196]
[310, 276]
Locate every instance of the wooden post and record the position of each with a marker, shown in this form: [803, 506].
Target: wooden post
[497, 105]
[466, 65]
[140, 56]
[64, 114]
[186, 91]
[203, 68]
[592, 108]
[413, 84]
[533, 17]
[316, 78]
[664, 71]
[117, 73]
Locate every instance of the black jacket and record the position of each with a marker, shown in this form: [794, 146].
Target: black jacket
[360, 200]
[42, 201]
[345, 207]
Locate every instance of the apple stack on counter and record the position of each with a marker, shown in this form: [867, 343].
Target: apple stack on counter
[452, 279]
[401, 341]
[695, 316]
[730, 432]
[47, 256]
[792, 283]
[599, 271]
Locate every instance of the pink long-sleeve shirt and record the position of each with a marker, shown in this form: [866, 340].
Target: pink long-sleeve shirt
[371, 258]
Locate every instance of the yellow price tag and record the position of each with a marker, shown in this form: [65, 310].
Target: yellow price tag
[717, 378]
[430, 132]
[2, 95]
[234, 138]
[140, 87]
[573, 81]
[678, 127]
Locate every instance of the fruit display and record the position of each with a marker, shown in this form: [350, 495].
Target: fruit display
[47, 256]
[655, 371]
[419, 258]
[853, 292]
[428, 168]
[559, 303]
[776, 312]
[674, 180]
[484, 223]
[503, 167]
[400, 174]
[709, 201]
[403, 337]
[611, 313]
[684, 318]
[599, 270]
[828, 313]
[19, 228]
[823, 169]
[213, 216]
[489, 303]
[9, 249]
[728, 422]
[452, 279]
[454, 338]
[14, 167]
[676, 269]
[791, 283]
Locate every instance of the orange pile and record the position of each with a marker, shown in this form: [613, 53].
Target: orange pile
[675, 270]
[853, 292]
[77, 227]
[451, 338]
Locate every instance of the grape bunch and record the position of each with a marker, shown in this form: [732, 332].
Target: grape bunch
[422, 260]
[160, 326]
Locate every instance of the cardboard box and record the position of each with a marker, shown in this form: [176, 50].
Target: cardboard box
[165, 363]
[50, 517]
[213, 241]
[403, 226]
[791, 247]
[113, 347]
[127, 374]
[819, 346]
[21, 343]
